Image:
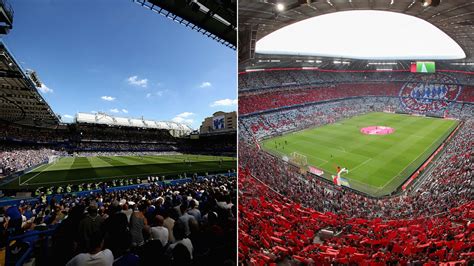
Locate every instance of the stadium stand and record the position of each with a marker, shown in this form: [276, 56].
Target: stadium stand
[303, 235]
[314, 221]
[140, 225]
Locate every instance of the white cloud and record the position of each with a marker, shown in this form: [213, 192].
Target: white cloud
[115, 110]
[186, 114]
[133, 80]
[184, 118]
[45, 89]
[68, 116]
[153, 94]
[107, 98]
[125, 111]
[94, 112]
[224, 102]
[205, 84]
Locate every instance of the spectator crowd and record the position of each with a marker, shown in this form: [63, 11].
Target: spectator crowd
[275, 229]
[17, 158]
[188, 224]
[290, 217]
[262, 80]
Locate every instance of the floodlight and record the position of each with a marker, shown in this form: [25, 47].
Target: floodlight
[280, 7]
[432, 3]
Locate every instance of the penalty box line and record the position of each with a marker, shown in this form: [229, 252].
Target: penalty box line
[21, 184]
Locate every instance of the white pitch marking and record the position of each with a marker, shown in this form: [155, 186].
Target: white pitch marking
[21, 184]
[364, 162]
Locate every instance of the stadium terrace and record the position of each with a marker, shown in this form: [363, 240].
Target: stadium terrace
[303, 146]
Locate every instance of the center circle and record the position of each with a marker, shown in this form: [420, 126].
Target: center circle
[377, 130]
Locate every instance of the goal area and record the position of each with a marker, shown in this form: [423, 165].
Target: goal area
[299, 160]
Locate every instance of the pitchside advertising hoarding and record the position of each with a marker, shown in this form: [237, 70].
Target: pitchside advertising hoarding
[423, 67]
[218, 122]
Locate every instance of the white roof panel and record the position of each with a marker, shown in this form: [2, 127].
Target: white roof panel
[105, 119]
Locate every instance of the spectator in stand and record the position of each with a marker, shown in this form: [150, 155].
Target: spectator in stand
[96, 255]
[127, 211]
[181, 255]
[159, 232]
[14, 218]
[138, 224]
[117, 232]
[179, 232]
[185, 218]
[194, 210]
[169, 224]
[88, 226]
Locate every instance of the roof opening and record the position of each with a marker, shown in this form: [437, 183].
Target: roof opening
[362, 35]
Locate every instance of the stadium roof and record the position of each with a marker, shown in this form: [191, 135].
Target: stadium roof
[260, 18]
[216, 19]
[6, 17]
[105, 119]
[20, 101]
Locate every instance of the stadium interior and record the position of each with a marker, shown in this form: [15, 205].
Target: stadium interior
[305, 208]
[149, 192]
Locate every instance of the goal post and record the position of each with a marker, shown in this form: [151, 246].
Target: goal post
[53, 158]
[299, 160]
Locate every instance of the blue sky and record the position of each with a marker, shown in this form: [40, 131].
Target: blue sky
[123, 59]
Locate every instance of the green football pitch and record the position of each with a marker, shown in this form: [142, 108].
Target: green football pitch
[74, 170]
[377, 164]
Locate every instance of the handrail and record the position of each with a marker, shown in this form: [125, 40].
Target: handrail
[28, 252]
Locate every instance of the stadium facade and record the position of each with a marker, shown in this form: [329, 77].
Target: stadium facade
[219, 122]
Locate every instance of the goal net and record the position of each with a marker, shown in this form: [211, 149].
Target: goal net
[53, 158]
[298, 159]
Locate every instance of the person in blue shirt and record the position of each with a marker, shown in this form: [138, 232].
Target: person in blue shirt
[14, 218]
[28, 213]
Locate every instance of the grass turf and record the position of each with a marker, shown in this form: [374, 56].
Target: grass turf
[74, 170]
[377, 164]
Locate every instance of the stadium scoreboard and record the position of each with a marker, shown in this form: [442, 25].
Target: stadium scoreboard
[423, 67]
